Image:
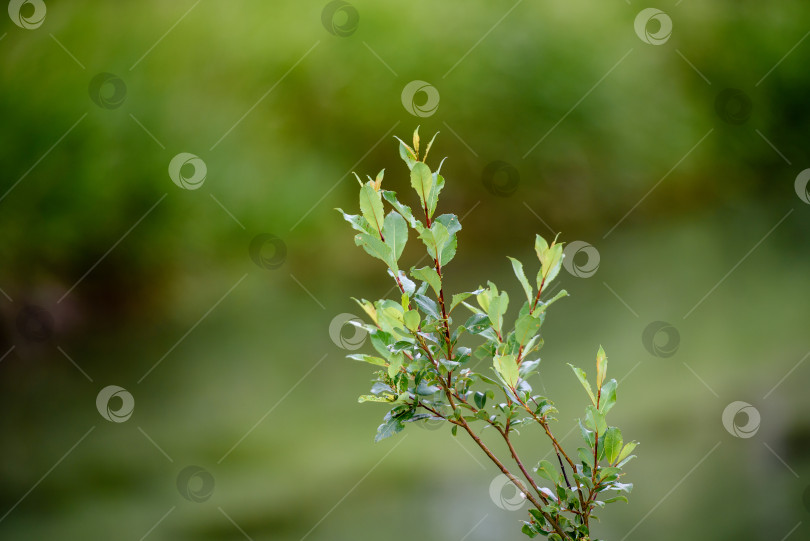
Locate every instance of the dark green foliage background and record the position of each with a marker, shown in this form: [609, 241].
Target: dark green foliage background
[295, 146]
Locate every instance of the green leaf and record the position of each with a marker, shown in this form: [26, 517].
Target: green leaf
[435, 238]
[477, 324]
[626, 450]
[540, 247]
[613, 444]
[616, 499]
[498, 304]
[368, 308]
[554, 262]
[546, 470]
[586, 456]
[608, 399]
[517, 266]
[587, 435]
[371, 207]
[371, 398]
[403, 210]
[395, 231]
[368, 359]
[506, 366]
[429, 275]
[358, 222]
[458, 297]
[481, 398]
[427, 150]
[595, 420]
[427, 305]
[447, 250]
[406, 153]
[392, 424]
[381, 340]
[583, 379]
[396, 363]
[433, 198]
[377, 248]
[542, 306]
[422, 181]
[416, 141]
[450, 222]
[412, 320]
[526, 327]
[601, 367]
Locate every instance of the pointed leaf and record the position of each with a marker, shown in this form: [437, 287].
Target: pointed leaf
[601, 367]
[429, 275]
[395, 231]
[583, 379]
[406, 153]
[371, 207]
[506, 366]
[376, 248]
[517, 266]
[422, 181]
[427, 150]
[526, 327]
[626, 450]
[613, 444]
[404, 210]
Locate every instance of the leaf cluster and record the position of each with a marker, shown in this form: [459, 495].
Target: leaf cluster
[423, 373]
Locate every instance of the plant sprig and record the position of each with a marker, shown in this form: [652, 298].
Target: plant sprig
[423, 374]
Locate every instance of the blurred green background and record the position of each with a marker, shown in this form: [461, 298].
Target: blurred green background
[113, 275]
